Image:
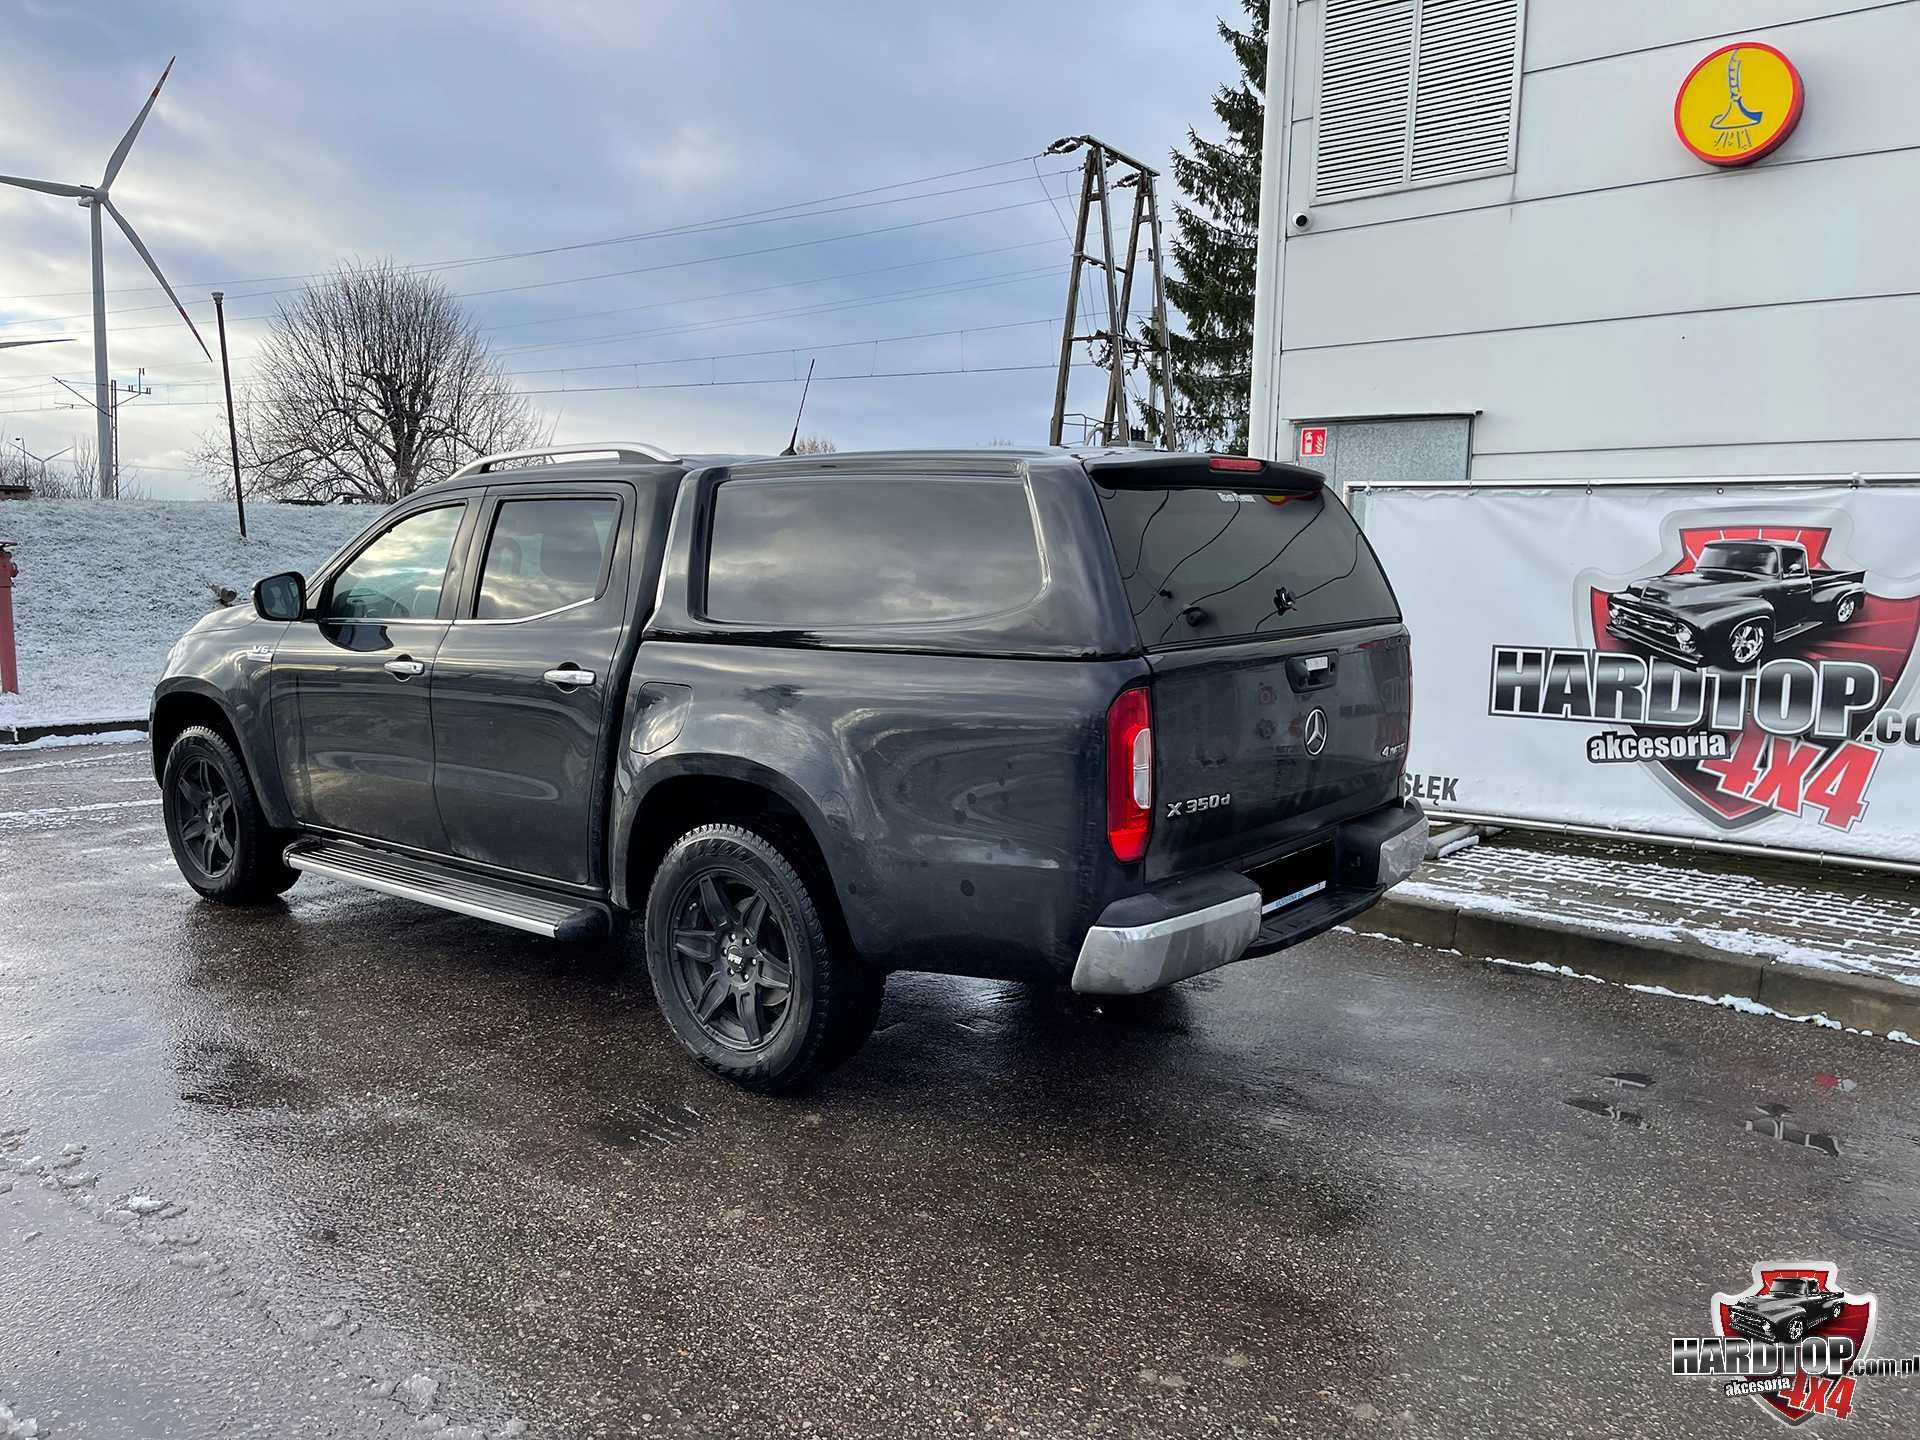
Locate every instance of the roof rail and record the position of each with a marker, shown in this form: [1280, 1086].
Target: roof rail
[631, 452]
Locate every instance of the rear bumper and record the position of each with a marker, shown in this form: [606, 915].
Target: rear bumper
[1167, 934]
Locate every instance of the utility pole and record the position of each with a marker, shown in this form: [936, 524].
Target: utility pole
[233, 433]
[109, 458]
[1105, 171]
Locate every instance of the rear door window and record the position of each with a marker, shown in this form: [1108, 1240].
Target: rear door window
[1202, 566]
[845, 551]
[544, 555]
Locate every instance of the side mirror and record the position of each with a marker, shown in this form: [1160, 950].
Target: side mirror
[281, 597]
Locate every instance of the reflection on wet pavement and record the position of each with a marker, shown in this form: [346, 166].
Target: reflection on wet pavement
[345, 1167]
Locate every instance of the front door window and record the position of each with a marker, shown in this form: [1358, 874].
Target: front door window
[398, 576]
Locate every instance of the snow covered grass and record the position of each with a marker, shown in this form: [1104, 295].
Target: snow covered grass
[106, 586]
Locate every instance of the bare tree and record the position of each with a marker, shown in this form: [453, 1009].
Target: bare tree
[814, 445]
[18, 469]
[78, 478]
[370, 383]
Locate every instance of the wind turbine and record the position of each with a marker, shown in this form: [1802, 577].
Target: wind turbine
[94, 198]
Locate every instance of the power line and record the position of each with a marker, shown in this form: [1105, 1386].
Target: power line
[797, 348]
[583, 279]
[700, 326]
[985, 282]
[762, 289]
[689, 227]
[719, 384]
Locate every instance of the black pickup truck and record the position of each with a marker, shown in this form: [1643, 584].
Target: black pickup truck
[1741, 598]
[1113, 718]
[1787, 1310]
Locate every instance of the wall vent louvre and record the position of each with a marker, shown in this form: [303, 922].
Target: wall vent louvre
[1414, 92]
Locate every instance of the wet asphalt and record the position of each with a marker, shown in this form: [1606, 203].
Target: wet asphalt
[350, 1167]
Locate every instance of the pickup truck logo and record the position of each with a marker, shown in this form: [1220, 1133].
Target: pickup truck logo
[1314, 733]
[1754, 676]
[1793, 1341]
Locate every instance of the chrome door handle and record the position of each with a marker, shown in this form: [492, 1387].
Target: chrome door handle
[566, 675]
[405, 669]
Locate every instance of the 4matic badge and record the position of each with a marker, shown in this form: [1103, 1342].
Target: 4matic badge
[1794, 1340]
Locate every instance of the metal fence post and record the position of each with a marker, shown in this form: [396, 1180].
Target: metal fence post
[9, 662]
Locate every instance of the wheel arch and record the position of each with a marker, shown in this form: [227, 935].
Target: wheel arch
[184, 703]
[699, 790]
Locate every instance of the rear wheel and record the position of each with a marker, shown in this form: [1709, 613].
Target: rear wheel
[219, 834]
[1845, 610]
[743, 964]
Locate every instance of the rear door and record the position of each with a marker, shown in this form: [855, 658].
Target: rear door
[1281, 672]
[524, 678]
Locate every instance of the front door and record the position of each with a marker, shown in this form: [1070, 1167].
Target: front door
[524, 677]
[361, 757]
[1793, 604]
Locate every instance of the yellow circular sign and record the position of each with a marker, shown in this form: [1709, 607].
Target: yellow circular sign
[1739, 104]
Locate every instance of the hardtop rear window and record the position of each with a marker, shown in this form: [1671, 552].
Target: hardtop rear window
[1203, 566]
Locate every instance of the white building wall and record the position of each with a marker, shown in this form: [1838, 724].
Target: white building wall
[1615, 307]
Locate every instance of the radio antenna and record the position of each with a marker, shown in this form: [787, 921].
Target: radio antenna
[794, 441]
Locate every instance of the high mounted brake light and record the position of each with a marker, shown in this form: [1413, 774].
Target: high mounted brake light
[1137, 470]
[1129, 773]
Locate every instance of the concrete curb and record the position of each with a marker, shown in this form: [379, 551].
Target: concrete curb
[1865, 1002]
[22, 734]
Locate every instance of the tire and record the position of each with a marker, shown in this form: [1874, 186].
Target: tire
[1846, 609]
[1746, 643]
[219, 834]
[744, 963]
[1796, 1330]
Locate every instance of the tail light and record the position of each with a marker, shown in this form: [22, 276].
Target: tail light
[1129, 773]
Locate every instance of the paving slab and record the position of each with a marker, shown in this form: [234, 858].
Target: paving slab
[1803, 940]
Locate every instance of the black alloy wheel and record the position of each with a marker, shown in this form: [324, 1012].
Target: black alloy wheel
[220, 836]
[750, 958]
[204, 817]
[732, 958]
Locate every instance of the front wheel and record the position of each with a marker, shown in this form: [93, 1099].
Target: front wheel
[743, 962]
[219, 834]
[1747, 642]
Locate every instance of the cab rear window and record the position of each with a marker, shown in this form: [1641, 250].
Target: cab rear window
[1202, 566]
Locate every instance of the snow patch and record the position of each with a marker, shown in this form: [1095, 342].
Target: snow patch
[61, 742]
[1566, 972]
[119, 580]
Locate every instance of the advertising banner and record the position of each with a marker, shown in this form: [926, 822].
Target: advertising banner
[1716, 661]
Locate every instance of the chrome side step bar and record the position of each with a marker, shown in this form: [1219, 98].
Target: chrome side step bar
[537, 912]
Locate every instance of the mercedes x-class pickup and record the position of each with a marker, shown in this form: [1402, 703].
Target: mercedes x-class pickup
[1111, 718]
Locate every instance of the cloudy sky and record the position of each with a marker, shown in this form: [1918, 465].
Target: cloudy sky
[292, 137]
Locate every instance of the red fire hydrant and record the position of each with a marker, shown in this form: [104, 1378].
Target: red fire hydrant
[9, 664]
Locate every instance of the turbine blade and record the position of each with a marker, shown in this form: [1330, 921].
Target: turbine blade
[153, 265]
[133, 130]
[16, 344]
[46, 187]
